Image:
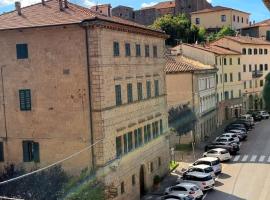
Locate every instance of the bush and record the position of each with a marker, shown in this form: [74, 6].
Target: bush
[45, 185]
[156, 180]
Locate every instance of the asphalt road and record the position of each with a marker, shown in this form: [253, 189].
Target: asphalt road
[247, 175]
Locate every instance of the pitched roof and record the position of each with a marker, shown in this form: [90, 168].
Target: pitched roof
[162, 5]
[248, 40]
[215, 49]
[259, 24]
[216, 9]
[39, 15]
[182, 64]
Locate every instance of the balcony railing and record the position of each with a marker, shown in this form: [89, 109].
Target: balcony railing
[257, 74]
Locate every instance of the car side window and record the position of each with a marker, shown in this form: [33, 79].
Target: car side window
[179, 188]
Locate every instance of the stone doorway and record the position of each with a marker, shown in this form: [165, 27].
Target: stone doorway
[142, 181]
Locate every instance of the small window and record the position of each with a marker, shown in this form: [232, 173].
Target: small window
[129, 93]
[151, 167]
[127, 48]
[234, 18]
[244, 68]
[249, 51]
[266, 67]
[22, 51]
[116, 50]
[118, 141]
[225, 78]
[30, 151]
[261, 83]
[2, 152]
[148, 89]
[25, 99]
[238, 19]
[160, 126]
[138, 50]
[242, 19]
[250, 68]
[255, 51]
[156, 88]
[244, 51]
[230, 61]
[239, 76]
[133, 180]
[122, 187]
[140, 91]
[147, 54]
[239, 61]
[223, 18]
[155, 53]
[245, 85]
[265, 51]
[118, 98]
[225, 61]
[261, 67]
[260, 51]
[231, 77]
[197, 21]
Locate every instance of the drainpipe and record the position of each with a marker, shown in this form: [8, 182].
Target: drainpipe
[4, 104]
[89, 84]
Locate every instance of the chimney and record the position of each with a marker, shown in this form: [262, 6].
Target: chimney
[61, 8]
[66, 3]
[43, 2]
[18, 7]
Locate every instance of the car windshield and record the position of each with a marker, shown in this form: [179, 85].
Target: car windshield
[208, 170]
[216, 162]
[223, 151]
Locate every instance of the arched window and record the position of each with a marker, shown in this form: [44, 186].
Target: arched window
[244, 51]
[255, 51]
[249, 51]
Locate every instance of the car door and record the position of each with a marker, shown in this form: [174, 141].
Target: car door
[179, 189]
[211, 153]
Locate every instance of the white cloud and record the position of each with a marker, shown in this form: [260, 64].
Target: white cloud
[88, 3]
[23, 2]
[209, 1]
[144, 5]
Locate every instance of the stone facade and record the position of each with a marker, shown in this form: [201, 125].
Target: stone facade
[147, 16]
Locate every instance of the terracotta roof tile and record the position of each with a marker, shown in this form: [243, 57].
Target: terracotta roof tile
[182, 64]
[248, 40]
[216, 9]
[259, 24]
[39, 15]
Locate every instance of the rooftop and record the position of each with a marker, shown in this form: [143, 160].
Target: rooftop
[259, 24]
[248, 40]
[182, 64]
[217, 9]
[39, 15]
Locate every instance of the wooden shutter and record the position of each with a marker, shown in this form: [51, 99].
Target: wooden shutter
[36, 151]
[25, 151]
[1, 152]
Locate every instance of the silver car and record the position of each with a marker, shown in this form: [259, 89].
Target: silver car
[185, 188]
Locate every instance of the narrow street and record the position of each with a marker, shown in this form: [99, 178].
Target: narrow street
[246, 176]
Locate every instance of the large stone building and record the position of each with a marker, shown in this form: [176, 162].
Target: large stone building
[71, 78]
[259, 30]
[213, 19]
[148, 15]
[192, 83]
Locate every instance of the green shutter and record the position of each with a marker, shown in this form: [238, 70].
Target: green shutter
[25, 151]
[36, 151]
[1, 152]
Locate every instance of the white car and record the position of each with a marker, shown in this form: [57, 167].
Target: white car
[185, 188]
[221, 154]
[176, 196]
[210, 161]
[264, 114]
[226, 140]
[230, 135]
[204, 181]
[202, 168]
[248, 118]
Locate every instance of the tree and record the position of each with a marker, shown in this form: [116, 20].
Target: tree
[179, 28]
[225, 31]
[266, 92]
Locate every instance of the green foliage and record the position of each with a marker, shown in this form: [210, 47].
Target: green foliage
[45, 185]
[225, 31]
[179, 28]
[266, 92]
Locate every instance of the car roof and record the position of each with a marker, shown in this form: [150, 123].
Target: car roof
[178, 194]
[218, 149]
[207, 159]
[198, 174]
[200, 166]
[187, 184]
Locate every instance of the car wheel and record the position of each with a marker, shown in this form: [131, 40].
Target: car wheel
[204, 155]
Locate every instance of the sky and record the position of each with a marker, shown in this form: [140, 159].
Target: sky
[255, 7]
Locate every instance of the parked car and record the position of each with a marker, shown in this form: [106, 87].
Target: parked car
[236, 126]
[210, 161]
[232, 148]
[256, 116]
[221, 154]
[185, 188]
[264, 114]
[240, 134]
[176, 195]
[204, 181]
[202, 168]
[226, 140]
[246, 123]
[247, 117]
[230, 135]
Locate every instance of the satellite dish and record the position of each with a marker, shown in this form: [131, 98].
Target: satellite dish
[267, 3]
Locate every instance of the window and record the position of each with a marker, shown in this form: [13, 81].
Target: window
[266, 67]
[250, 68]
[25, 99]
[118, 142]
[239, 76]
[239, 61]
[255, 67]
[225, 78]
[232, 94]
[138, 137]
[234, 18]
[147, 54]
[216, 79]
[160, 127]
[159, 161]
[129, 93]
[261, 83]
[128, 145]
[261, 67]
[116, 50]
[140, 91]
[250, 84]
[225, 61]
[118, 98]
[260, 51]
[245, 85]
[226, 95]
[148, 89]
[30, 151]
[244, 51]
[231, 77]
[265, 51]
[230, 61]
[249, 51]
[255, 51]
[151, 167]
[127, 48]
[155, 54]
[242, 19]
[197, 21]
[156, 88]
[138, 50]
[22, 51]
[147, 133]
[1, 152]
[223, 18]
[155, 129]
[122, 187]
[238, 19]
[133, 178]
[244, 68]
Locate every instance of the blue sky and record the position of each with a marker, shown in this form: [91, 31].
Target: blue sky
[255, 7]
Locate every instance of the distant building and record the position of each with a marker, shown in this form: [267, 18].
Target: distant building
[148, 15]
[192, 83]
[213, 19]
[259, 30]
